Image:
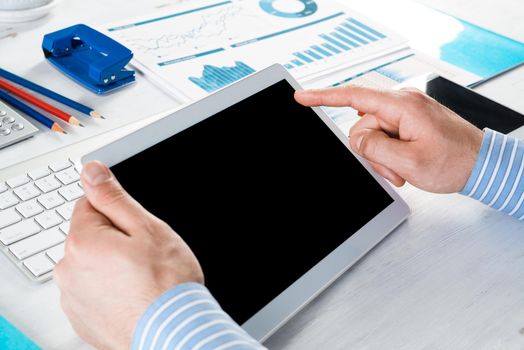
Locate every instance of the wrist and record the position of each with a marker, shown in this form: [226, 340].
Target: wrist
[474, 146]
[169, 303]
[483, 155]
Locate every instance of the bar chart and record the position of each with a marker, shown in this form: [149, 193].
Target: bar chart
[349, 35]
[206, 45]
[214, 78]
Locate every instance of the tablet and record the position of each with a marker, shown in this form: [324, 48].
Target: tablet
[265, 192]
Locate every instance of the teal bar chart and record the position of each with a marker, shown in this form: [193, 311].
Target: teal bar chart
[350, 34]
[214, 78]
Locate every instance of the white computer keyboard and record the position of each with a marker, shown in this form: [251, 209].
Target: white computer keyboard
[35, 209]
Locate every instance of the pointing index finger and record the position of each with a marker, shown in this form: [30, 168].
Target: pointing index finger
[384, 104]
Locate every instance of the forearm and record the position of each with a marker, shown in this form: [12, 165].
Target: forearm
[188, 317]
[497, 178]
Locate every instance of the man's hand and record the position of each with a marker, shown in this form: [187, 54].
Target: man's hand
[406, 135]
[118, 259]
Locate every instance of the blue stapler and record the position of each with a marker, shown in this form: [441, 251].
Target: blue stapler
[89, 57]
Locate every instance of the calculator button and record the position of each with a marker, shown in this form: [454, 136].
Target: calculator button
[17, 126]
[2, 113]
[5, 131]
[8, 119]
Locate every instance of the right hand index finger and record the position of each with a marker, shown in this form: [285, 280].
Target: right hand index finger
[384, 104]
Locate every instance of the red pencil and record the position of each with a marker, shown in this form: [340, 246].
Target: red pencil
[39, 103]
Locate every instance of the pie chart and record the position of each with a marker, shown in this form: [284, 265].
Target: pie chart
[289, 8]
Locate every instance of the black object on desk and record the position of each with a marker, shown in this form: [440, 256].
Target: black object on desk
[470, 105]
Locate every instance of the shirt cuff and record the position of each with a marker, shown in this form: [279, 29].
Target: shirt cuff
[497, 178]
[188, 317]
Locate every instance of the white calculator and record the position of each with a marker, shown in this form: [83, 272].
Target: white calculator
[13, 127]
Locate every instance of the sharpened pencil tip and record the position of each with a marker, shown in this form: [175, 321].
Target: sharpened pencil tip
[82, 125]
[95, 114]
[74, 121]
[56, 127]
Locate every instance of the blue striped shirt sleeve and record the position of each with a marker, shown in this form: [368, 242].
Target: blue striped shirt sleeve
[497, 178]
[188, 317]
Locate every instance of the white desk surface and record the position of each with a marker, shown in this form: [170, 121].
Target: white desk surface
[451, 277]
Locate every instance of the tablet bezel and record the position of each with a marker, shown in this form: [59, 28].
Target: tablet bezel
[268, 319]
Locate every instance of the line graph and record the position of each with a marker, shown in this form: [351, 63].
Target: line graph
[212, 26]
[204, 45]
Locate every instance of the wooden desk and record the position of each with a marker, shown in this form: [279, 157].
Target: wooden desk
[451, 277]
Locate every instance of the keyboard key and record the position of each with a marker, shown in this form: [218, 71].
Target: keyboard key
[65, 227]
[68, 176]
[27, 192]
[19, 231]
[48, 184]
[18, 181]
[8, 199]
[66, 210]
[56, 253]
[3, 187]
[71, 192]
[60, 165]
[8, 217]
[48, 219]
[51, 200]
[39, 264]
[37, 243]
[39, 173]
[29, 208]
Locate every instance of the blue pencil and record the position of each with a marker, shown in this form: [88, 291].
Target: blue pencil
[51, 94]
[22, 107]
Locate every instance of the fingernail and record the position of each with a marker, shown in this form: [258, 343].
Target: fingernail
[301, 92]
[361, 114]
[95, 173]
[359, 141]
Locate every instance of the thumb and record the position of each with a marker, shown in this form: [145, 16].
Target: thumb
[108, 197]
[377, 147]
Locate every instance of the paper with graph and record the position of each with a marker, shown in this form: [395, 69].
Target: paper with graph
[203, 46]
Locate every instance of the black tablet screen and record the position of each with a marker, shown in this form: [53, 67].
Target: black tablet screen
[261, 192]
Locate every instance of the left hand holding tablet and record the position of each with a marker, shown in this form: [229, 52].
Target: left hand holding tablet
[118, 259]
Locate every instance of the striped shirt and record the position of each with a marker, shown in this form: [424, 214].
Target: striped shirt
[188, 317]
[497, 178]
